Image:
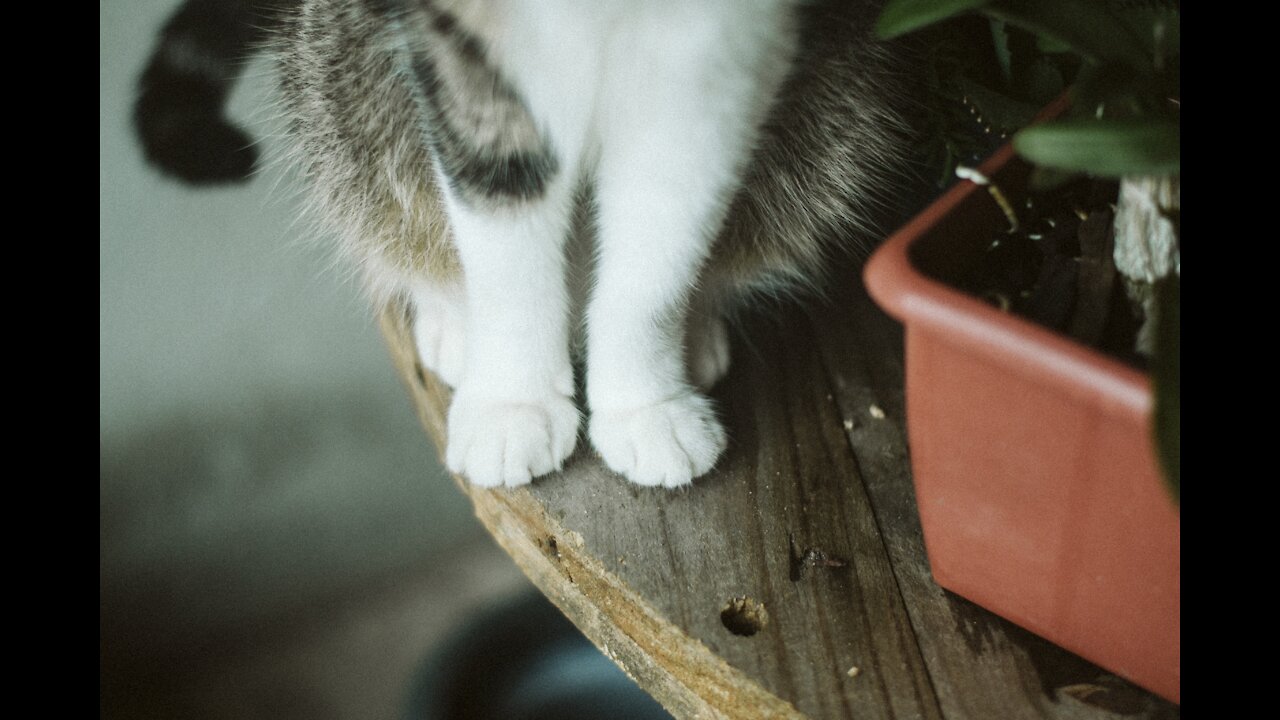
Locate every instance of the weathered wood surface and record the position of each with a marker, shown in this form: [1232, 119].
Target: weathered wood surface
[811, 512]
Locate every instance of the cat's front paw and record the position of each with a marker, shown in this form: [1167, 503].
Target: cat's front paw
[667, 444]
[496, 442]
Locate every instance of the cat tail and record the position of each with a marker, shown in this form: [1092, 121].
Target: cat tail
[200, 53]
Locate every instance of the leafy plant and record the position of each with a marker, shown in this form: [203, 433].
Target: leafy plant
[1121, 61]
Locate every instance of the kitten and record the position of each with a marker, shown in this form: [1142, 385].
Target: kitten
[606, 178]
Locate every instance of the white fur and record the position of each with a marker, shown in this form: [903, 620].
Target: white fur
[659, 104]
[440, 328]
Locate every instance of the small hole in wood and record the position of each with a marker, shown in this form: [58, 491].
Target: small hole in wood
[744, 616]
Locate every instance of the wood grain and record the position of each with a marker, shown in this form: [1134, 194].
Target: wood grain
[982, 666]
[810, 513]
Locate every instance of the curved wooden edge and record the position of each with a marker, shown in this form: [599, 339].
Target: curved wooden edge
[679, 671]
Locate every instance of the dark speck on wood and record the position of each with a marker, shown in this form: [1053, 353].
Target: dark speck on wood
[811, 557]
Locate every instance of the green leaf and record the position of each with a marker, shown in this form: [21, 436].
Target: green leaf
[1159, 29]
[903, 16]
[1088, 28]
[1050, 46]
[1167, 377]
[997, 110]
[1115, 88]
[1044, 82]
[1000, 40]
[1108, 147]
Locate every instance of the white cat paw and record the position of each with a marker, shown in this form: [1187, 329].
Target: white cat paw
[708, 353]
[439, 332]
[495, 442]
[667, 444]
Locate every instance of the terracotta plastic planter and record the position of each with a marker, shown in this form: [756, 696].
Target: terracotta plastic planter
[1033, 459]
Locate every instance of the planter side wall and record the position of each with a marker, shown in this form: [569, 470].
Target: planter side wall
[1034, 468]
[1035, 506]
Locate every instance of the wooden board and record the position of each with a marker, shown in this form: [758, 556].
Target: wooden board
[810, 514]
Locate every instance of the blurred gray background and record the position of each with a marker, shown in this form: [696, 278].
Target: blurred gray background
[277, 536]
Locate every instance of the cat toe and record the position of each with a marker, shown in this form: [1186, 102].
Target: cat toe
[667, 444]
[495, 443]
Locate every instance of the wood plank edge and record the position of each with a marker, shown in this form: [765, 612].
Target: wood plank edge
[679, 671]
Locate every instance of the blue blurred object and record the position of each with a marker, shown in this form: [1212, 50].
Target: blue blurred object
[523, 660]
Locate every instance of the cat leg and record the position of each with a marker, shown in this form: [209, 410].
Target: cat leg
[648, 420]
[706, 345]
[513, 417]
[677, 126]
[439, 328]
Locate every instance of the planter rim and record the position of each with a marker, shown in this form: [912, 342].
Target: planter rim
[906, 293]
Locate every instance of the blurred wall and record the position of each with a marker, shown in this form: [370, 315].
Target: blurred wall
[257, 453]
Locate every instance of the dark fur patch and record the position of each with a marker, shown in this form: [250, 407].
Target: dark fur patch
[480, 129]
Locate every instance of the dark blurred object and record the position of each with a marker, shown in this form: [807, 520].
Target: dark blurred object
[523, 660]
[200, 53]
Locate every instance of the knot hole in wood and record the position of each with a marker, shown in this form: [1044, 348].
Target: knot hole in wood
[744, 616]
